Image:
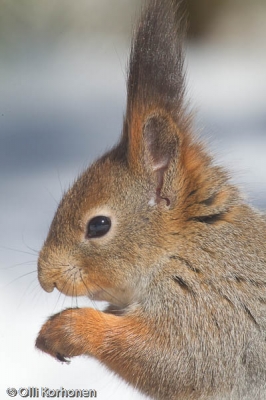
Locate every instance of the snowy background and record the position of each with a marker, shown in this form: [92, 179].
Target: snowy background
[62, 98]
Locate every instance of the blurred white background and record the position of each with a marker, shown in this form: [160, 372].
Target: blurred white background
[62, 98]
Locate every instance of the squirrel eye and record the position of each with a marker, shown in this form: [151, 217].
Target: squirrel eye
[98, 226]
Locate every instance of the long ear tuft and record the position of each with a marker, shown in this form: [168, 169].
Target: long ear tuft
[156, 85]
[156, 68]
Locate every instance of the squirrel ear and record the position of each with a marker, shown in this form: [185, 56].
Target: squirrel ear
[160, 143]
[156, 111]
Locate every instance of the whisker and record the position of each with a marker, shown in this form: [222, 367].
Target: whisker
[25, 291]
[75, 289]
[19, 277]
[52, 196]
[111, 295]
[82, 280]
[28, 247]
[60, 183]
[37, 286]
[59, 265]
[18, 265]
[69, 291]
[37, 293]
[71, 282]
[59, 296]
[17, 250]
[104, 290]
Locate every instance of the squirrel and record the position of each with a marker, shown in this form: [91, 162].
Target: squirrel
[156, 229]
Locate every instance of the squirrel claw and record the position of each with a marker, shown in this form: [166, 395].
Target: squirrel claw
[62, 358]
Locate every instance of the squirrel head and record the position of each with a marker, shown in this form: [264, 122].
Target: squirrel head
[126, 213]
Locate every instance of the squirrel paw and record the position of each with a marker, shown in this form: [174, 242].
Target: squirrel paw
[58, 336]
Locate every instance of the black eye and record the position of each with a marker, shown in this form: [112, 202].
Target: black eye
[98, 226]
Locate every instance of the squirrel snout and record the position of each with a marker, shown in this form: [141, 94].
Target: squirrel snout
[43, 276]
[48, 287]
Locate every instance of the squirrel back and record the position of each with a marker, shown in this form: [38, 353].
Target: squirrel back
[157, 229]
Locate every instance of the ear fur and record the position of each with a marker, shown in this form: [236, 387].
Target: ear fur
[160, 151]
[160, 142]
[156, 74]
[155, 105]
